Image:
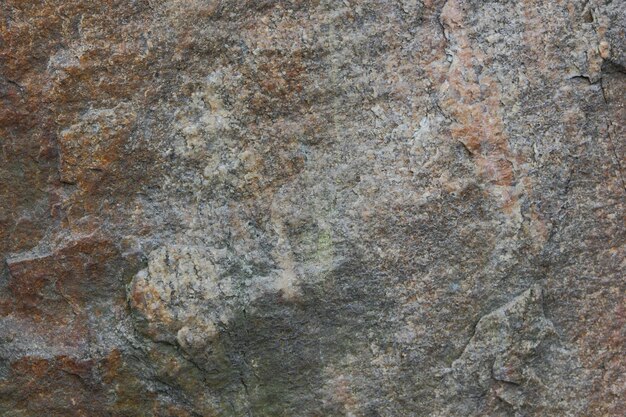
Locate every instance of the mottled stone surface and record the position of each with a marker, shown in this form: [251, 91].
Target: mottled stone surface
[312, 208]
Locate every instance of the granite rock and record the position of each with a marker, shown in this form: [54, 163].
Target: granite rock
[312, 208]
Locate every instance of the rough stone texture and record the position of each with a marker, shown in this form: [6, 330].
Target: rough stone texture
[312, 208]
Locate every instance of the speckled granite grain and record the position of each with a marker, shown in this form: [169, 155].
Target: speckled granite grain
[363, 208]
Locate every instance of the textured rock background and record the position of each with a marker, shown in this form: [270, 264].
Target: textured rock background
[312, 208]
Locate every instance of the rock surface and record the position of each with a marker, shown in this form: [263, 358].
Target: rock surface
[312, 208]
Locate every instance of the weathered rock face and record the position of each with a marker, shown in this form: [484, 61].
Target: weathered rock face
[312, 208]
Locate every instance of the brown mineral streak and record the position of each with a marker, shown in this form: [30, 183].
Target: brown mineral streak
[473, 103]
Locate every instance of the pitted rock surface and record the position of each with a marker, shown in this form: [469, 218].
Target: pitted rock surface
[312, 208]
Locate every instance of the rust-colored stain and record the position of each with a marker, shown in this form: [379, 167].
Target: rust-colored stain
[472, 100]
